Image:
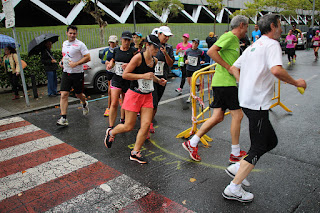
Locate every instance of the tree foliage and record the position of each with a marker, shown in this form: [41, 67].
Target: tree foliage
[91, 7]
[215, 6]
[173, 7]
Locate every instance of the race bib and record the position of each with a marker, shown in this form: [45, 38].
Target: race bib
[66, 62]
[316, 43]
[193, 61]
[145, 86]
[112, 70]
[181, 54]
[118, 68]
[159, 68]
[289, 41]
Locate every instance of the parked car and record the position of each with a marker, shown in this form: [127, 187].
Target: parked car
[302, 41]
[95, 75]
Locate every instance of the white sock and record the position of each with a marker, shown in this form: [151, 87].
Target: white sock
[234, 187]
[235, 150]
[194, 141]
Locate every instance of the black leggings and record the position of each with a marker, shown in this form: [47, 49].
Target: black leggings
[291, 53]
[262, 136]
[14, 81]
[183, 77]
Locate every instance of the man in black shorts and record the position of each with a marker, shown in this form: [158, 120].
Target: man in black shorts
[75, 53]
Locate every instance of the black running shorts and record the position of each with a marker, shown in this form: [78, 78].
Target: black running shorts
[225, 98]
[72, 80]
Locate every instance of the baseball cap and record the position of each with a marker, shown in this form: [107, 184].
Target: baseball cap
[113, 38]
[186, 35]
[165, 30]
[155, 31]
[137, 33]
[211, 34]
[196, 40]
[317, 31]
[153, 39]
[126, 35]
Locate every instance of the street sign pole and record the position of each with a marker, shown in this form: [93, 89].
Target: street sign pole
[10, 23]
[25, 91]
[313, 8]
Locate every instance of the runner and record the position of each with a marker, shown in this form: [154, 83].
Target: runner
[181, 49]
[316, 43]
[75, 53]
[107, 56]
[137, 41]
[291, 41]
[256, 34]
[119, 86]
[257, 67]
[140, 71]
[165, 61]
[194, 57]
[297, 33]
[225, 92]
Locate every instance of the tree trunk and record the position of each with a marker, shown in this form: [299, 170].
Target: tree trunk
[101, 33]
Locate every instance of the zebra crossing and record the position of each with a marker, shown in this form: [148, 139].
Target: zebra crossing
[40, 173]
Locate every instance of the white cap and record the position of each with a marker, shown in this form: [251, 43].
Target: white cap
[165, 30]
[155, 31]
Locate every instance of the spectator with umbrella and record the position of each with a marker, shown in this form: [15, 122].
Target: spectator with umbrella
[43, 44]
[12, 68]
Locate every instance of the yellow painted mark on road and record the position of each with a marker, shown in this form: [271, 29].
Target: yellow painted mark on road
[192, 161]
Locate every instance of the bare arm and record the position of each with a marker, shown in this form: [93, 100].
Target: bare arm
[283, 75]
[135, 62]
[167, 56]
[235, 71]
[213, 52]
[83, 60]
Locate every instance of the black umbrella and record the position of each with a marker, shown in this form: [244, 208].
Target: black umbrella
[37, 44]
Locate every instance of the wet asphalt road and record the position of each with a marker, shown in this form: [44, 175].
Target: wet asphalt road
[287, 179]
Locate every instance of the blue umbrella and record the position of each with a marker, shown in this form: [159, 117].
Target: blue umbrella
[6, 41]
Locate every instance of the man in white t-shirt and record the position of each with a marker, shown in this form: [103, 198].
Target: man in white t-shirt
[257, 68]
[75, 53]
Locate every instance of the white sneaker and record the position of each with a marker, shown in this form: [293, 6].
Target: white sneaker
[85, 110]
[188, 100]
[239, 195]
[232, 171]
[62, 122]
[179, 90]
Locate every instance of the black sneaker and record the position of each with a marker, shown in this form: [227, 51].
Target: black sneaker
[138, 157]
[108, 139]
[122, 121]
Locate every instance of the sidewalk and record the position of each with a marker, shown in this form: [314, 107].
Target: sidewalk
[10, 107]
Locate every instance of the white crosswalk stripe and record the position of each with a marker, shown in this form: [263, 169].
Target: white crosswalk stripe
[18, 131]
[10, 120]
[18, 182]
[25, 148]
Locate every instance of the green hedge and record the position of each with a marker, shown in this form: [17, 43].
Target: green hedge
[35, 67]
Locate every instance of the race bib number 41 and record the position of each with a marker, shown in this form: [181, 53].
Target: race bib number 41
[145, 86]
[118, 68]
[159, 68]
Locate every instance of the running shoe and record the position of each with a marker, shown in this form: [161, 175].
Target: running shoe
[294, 60]
[122, 121]
[148, 136]
[138, 157]
[234, 159]
[289, 63]
[62, 122]
[239, 195]
[188, 100]
[151, 130]
[108, 139]
[179, 90]
[85, 110]
[232, 171]
[193, 151]
[106, 113]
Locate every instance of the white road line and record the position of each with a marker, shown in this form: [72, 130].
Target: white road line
[28, 147]
[16, 183]
[18, 131]
[10, 120]
[312, 77]
[108, 197]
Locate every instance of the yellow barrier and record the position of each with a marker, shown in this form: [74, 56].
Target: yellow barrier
[200, 118]
[278, 97]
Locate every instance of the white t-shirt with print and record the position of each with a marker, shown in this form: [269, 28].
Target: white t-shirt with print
[73, 51]
[256, 80]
